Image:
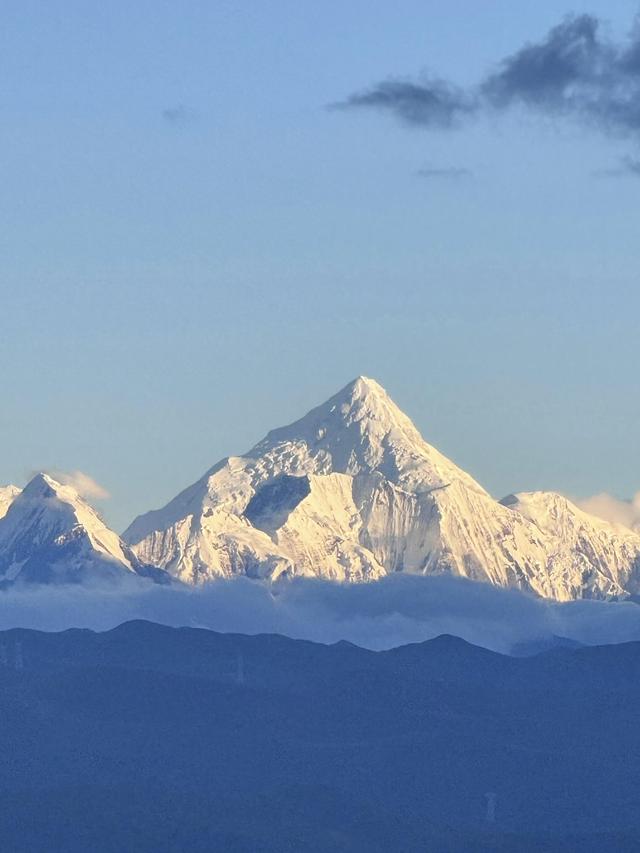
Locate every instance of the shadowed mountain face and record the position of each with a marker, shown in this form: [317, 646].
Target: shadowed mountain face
[154, 739]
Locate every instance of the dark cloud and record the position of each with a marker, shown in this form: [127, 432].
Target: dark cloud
[575, 72]
[554, 74]
[178, 114]
[430, 103]
[453, 173]
[394, 611]
[631, 166]
[627, 166]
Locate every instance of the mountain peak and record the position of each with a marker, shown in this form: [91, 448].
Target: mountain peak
[360, 430]
[357, 440]
[554, 511]
[361, 412]
[41, 485]
[364, 399]
[49, 532]
[363, 386]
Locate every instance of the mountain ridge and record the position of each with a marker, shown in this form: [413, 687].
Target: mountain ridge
[256, 730]
[351, 491]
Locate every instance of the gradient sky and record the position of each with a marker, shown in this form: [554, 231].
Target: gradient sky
[195, 249]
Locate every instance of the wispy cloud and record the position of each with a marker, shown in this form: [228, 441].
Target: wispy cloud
[453, 173]
[614, 510]
[84, 484]
[428, 103]
[575, 72]
[627, 166]
[177, 114]
[631, 166]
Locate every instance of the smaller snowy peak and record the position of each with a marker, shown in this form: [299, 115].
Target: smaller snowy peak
[49, 533]
[554, 512]
[46, 503]
[606, 555]
[7, 494]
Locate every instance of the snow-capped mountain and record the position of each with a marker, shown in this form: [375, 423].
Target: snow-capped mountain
[351, 492]
[50, 534]
[600, 549]
[7, 494]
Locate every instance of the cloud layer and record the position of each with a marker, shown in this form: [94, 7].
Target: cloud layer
[575, 72]
[391, 612]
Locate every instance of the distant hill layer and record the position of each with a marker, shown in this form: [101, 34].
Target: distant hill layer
[156, 739]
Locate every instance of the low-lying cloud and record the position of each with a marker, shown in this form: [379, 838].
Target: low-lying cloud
[397, 610]
[575, 72]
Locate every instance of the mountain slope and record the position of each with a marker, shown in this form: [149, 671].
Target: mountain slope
[352, 491]
[50, 534]
[7, 494]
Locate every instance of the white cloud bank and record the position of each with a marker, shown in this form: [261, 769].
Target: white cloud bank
[397, 610]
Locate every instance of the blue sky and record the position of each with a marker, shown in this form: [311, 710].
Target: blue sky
[195, 249]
